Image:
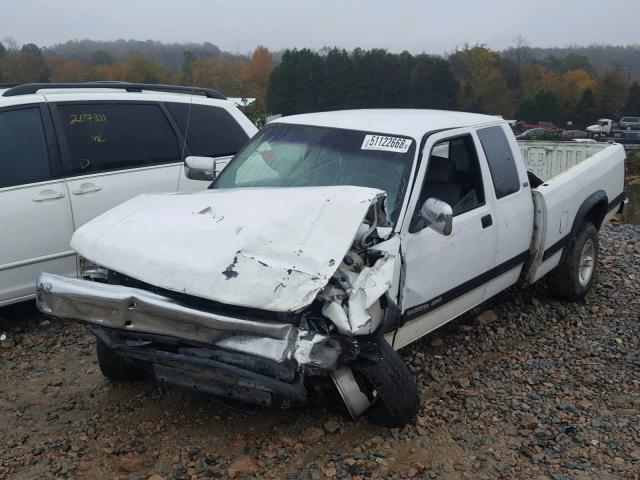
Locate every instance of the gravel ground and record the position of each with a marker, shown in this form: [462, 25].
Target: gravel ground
[524, 387]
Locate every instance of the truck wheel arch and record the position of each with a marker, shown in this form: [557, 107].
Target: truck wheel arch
[593, 209]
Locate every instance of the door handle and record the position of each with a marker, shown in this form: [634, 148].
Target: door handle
[45, 195]
[86, 188]
[487, 221]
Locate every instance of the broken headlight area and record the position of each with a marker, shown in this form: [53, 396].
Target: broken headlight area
[355, 300]
[92, 271]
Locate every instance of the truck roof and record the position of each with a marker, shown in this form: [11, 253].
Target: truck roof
[411, 122]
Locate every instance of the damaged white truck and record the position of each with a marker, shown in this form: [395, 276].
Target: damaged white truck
[329, 241]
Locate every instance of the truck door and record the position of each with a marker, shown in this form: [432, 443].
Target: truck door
[513, 204]
[446, 275]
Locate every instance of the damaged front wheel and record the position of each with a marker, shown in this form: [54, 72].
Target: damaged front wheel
[115, 367]
[396, 400]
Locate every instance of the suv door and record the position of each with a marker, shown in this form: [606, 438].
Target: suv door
[211, 132]
[113, 151]
[35, 213]
[446, 275]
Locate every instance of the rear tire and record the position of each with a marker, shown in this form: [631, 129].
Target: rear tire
[572, 278]
[397, 400]
[115, 367]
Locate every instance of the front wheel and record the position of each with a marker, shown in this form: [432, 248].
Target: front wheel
[396, 399]
[115, 367]
[573, 277]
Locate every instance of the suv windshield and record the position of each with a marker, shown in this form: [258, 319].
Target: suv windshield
[283, 155]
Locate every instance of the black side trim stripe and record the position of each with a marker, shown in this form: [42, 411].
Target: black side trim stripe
[615, 202]
[466, 287]
[556, 247]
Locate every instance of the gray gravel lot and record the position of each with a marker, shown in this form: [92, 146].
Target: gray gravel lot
[532, 388]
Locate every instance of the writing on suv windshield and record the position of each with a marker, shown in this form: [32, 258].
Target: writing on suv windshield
[284, 155]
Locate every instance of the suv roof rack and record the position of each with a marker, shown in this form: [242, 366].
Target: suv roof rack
[29, 88]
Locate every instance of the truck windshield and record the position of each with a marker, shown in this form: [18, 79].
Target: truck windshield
[283, 155]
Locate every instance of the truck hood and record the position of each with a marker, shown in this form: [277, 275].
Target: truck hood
[267, 248]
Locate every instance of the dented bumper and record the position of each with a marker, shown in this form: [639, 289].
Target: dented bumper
[135, 311]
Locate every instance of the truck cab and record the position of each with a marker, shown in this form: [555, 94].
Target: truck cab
[602, 128]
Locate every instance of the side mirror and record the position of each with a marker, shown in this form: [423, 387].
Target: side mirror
[437, 215]
[200, 168]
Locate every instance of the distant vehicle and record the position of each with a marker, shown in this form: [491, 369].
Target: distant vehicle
[547, 125]
[532, 133]
[628, 137]
[629, 123]
[573, 134]
[551, 126]
[602, 128]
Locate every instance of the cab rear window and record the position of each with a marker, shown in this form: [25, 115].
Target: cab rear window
[501, 162]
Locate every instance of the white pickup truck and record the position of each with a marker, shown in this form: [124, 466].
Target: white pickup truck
[329, 241]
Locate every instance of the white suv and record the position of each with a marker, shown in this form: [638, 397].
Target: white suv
[69, 152]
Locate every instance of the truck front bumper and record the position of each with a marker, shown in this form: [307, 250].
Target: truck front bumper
[257, 361]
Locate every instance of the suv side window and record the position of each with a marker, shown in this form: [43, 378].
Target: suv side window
[112, 136]
[501, 162]
[24, 157]
[454, 175]
[213, 132]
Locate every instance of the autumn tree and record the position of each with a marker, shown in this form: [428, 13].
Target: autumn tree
[226, 76]
[482, 87]
[257, 74]
[25, 65]
[61, 70]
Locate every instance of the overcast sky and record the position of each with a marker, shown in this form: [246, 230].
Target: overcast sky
[240, 25]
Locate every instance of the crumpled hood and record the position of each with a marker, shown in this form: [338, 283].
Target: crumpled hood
[266, 248]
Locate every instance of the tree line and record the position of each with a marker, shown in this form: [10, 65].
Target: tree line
[513, 84]
[516, 83]
[235, 76]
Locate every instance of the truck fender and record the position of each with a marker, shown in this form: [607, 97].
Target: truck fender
[593, 208]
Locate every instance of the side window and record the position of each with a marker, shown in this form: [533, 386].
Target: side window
[213, 132]
[454, 176]
[501, 162]
[117, 136]
[23, 148]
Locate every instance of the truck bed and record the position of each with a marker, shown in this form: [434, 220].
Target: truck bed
[572, 173]
[549, 159]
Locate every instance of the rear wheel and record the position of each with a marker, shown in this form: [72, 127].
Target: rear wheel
[396, 398]
[573, 277]
[115, 367]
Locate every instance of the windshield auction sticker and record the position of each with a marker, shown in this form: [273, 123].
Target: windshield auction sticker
[387, 144]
